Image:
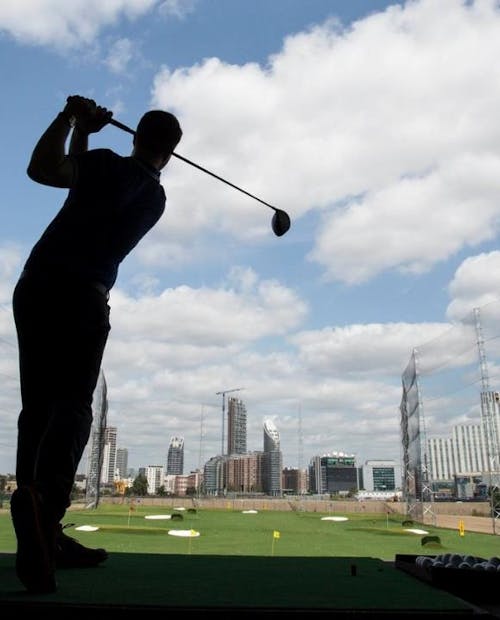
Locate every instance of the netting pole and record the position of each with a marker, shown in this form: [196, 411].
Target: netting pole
[490, 430]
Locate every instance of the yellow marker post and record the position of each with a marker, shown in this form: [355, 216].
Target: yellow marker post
[461, 527]
[276, 535]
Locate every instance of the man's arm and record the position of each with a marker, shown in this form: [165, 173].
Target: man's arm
[79, 142]
[49, 164]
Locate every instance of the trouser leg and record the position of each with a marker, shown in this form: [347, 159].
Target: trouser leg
[35, 382]
[61, 349]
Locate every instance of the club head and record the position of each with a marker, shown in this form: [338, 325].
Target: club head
[280, 222]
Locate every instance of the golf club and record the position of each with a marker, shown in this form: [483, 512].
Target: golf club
[280, 222]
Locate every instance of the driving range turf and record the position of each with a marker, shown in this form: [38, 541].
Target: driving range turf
[247, 561]
[228, 532]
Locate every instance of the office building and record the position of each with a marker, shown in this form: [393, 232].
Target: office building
[213, 476]
[109, 456]
[236, 426]
[441, 458]
[465, 452]
[334, 473]
[379, 476]
[242, 473]
[122, 463]
[294, 481]
[175, 457]
[272, 460]
[154, 476]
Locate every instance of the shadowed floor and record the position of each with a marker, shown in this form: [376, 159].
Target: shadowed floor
[159, 583]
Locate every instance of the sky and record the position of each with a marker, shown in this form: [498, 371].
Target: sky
[374, 125]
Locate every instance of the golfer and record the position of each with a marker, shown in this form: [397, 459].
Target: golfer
[61, 313]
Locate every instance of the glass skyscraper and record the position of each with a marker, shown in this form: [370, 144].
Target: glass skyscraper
[236, 426]
[175, 457]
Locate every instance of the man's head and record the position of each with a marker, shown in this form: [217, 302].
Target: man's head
[157, 134]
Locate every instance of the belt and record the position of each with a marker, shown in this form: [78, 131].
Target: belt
[98, 286]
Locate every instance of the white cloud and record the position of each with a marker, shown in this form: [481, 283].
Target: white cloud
[177, 8]
[10, 267]
[170, 352]
[414, 223]
[387, 131]
[66, 24]
[475, 284]
[388, 128]
[243, 312]
[119, 55]
[380, 350]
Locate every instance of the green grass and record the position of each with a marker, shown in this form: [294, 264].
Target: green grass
[228, 532]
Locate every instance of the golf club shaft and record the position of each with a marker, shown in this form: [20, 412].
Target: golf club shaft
[191, 163]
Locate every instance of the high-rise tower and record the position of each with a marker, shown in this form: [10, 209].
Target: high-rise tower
[122, 462]
[272, 462]
[96, 447]
[236, 426]
[109, 456]
[175, 457]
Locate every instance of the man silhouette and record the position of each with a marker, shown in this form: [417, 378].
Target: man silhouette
[61, 313]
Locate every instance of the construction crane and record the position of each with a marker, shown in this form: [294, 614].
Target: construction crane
[223, 393]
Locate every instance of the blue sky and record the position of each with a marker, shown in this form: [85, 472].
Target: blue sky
[373, 124]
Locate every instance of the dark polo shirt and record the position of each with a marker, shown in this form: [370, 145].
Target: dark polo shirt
[114, 202]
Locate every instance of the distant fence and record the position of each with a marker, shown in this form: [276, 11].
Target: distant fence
[297, 505]
[263, 504]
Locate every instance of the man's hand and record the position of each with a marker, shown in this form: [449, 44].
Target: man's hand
[90, 118]
[49, 163]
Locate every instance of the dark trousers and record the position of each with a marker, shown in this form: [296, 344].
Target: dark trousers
[62, 332]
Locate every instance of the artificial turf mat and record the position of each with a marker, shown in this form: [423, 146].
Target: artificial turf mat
[153, 581]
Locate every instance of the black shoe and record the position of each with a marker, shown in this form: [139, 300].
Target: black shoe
[71, 554]
[35, 534]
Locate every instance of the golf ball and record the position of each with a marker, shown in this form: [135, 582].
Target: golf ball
[456, 559]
